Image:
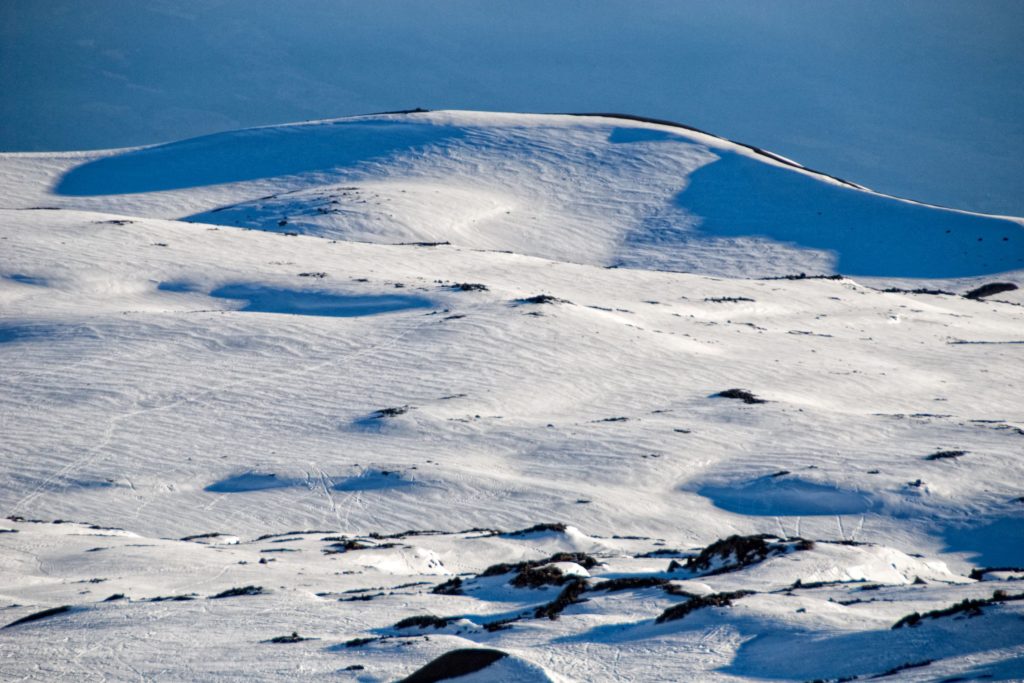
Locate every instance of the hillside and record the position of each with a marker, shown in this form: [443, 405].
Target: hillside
[350, 368]
[584, 189]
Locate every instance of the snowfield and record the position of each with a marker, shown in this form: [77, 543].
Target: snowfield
[541, 398]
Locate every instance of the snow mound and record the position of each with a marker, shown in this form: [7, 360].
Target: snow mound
[401, 561]
[848, 562]
[594, 189]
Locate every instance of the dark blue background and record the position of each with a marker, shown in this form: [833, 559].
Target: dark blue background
[919, 98]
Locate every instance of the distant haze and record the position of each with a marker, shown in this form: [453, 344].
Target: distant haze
[922, 99]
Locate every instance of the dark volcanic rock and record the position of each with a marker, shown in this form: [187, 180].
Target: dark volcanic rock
[990, 289]
[455, 664]
[741, 394]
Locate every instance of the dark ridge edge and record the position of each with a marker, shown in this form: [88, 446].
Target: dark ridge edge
[673, 124]
[417, 110]
[756, 150]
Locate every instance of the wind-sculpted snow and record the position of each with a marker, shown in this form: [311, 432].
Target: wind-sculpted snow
[587, 189]
[237, 454]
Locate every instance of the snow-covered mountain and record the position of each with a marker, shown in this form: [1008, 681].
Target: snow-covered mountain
[595, 190]
[581, 393]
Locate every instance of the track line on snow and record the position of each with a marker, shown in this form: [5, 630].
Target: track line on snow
[842, 531]
[325, 484]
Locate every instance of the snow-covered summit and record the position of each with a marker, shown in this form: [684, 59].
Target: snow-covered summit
[601, 190]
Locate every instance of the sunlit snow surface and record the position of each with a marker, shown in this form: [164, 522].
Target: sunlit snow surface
[199, 379]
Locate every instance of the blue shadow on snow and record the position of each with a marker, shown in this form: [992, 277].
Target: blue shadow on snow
[772, 496]
[369, 480]
[871, 235]
[263, 299]
[995, 543]
[248, 155]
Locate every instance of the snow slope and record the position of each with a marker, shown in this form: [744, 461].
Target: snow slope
[597, 190]
[349, 425]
